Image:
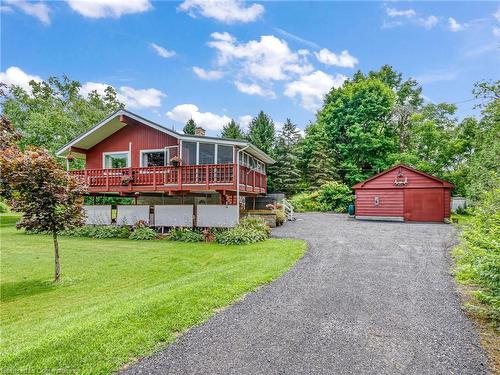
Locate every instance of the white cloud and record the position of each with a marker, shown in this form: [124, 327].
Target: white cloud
[209, 75]
[16, 76]
[132, 98]
[253, 89]
[108, 8]
[38, 10]
[496, 29]
[245, 121]
[227, 11]
[391, 12]
[454, 25]
[428, 22]
[208, 120]
[344, 60]
[266, 59]
[163, 52]
[313, 87]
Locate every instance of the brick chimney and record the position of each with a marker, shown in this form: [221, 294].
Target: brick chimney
[199, 131]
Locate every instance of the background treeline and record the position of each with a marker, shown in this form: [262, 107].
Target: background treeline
[372, 122]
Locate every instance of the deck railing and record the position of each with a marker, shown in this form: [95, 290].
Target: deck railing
[176, 178]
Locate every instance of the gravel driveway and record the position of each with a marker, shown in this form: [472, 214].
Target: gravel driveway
[367, 298]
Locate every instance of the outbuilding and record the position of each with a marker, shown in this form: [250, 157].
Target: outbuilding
[402, 193]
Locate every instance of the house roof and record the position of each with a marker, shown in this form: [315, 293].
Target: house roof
[112, 124]
[359, 185]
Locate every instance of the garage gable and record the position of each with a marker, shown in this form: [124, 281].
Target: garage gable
[402, 176]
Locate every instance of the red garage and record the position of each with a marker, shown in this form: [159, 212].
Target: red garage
[403, 194]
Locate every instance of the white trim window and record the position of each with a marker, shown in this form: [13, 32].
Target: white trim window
[154, 158]
[116, 159]
[158, 157]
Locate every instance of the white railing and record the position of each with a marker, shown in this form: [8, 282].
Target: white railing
[287, 206]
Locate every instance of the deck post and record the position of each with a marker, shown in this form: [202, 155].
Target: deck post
[207, 180]
[179, 177]
[154, 177]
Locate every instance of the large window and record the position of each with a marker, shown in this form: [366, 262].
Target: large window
[116, 160]
[207, 153]
[224, 154]
[189, 153]
[153, 158]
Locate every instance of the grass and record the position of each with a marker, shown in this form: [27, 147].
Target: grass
[118, 299]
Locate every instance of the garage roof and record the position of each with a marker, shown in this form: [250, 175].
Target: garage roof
[446, 184]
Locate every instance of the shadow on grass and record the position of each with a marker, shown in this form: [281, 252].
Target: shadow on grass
[11, 291]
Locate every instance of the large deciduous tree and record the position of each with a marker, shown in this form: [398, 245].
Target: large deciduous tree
[356, 120]
[52, 112]
[49, 199]
[408, 99]
[232, 130]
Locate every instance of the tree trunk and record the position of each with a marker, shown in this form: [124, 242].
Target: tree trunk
[57, 264]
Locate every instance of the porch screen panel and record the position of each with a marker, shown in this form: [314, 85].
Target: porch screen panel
[224, 154]
[189, 153]
[207, 153]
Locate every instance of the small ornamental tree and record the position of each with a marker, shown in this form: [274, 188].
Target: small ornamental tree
[49, 199]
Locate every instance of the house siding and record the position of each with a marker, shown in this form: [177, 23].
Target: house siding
[141, 136]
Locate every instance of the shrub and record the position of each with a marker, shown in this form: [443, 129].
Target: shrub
[278, 210]
[143, 234]
[332, 196]
[249, 230]
[335, 196]
[280, 217]
[185, 235]
[305, 202]
[102, 231]
[4, 208]
[478, 256]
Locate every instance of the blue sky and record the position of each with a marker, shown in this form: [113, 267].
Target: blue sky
[170, 61]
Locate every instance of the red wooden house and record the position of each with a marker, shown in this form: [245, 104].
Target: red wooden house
[127, 155]
[402, 193]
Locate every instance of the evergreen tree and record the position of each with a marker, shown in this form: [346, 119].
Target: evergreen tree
[190, 127]
[262, 133]
[287, 174]
[232, 130]
[320, 164]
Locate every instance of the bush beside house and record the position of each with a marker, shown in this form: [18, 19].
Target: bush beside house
[331, 196]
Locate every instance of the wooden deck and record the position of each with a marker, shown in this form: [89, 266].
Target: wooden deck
[185, 178]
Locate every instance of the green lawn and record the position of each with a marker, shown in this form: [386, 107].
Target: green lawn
[118, 299]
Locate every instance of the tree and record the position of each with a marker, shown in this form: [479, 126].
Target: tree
[232, 130]
[319, 160]
[356, 121]
[49, 199]
[190, 127]
[482, 169]
[261, 132]
[408, 99]
[53, 112]
[8, 135]
[287, 172]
